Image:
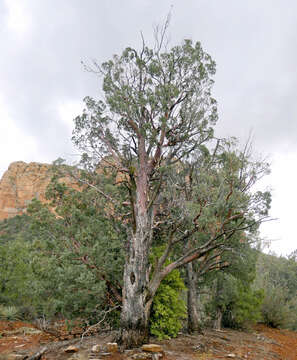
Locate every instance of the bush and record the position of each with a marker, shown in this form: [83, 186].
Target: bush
[275, 308]
[168, 309]
[27, 313]
[10, 313]
[245, 309]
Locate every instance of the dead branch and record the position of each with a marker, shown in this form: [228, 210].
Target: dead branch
[37, 355]
[99, 322]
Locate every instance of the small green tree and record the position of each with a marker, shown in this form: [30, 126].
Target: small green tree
[16, 271]
[275, 308]
[242, 305]
[84, 255]
[276, 275]
[169, 308]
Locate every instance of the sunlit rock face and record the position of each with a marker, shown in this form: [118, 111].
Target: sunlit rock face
[20, 184]
[23, 182]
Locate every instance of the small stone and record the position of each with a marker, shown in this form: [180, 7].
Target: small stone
[96, 348]
[154, 348]
[78, 356]
[141, 356]
[112, 347]
[129, 351]
[231, 355]
[157, 356]
[71, 349]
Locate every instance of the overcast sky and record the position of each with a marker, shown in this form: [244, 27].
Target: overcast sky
[254, 43]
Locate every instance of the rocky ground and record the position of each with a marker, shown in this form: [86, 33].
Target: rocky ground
[22, 341]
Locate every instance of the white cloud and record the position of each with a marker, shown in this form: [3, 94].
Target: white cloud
[68, 110]
[14, 144]
[19, 19]
[284, 199]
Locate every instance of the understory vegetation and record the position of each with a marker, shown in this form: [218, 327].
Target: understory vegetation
[43, 277]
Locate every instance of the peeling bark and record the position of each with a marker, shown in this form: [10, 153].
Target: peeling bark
[136, 307]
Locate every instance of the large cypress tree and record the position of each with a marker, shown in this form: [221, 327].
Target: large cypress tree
[156, 113]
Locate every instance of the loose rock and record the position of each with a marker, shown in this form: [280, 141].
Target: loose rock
[112, 347]
[96, 348]
[154, 348]
[71, 349]
[157, 356]
[141, 356]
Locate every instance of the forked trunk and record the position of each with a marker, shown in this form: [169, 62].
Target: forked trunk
[192, 301]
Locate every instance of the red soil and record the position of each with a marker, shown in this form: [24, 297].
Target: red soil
[262, 343]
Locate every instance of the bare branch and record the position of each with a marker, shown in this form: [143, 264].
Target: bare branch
[99, 322]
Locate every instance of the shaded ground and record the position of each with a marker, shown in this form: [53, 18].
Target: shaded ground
[18, 340]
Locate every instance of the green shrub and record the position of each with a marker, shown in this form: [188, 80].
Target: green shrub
[27, 313]
[275, 308]
[245, 308]
[9, 313]
[168, 309]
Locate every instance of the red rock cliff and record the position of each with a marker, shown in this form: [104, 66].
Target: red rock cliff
[20, 184]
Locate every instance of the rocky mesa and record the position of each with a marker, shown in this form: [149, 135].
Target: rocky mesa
[20, 184]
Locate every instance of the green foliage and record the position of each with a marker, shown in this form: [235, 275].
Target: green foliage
[232, 291]
[15, 261]
[238, 302]
[9, 313]
[85, 253]
[275, 309]
[168, 309]
[277, 277]
[16, 272]
[17, 226]
[244, 309]
[61, 265]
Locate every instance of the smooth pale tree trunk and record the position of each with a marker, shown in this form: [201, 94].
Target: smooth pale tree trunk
[217, 325]
[192, 301]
